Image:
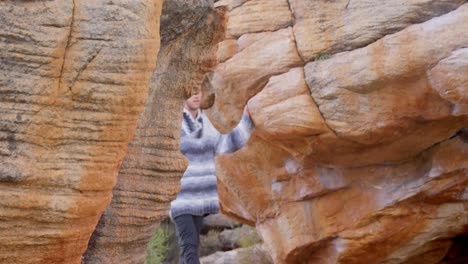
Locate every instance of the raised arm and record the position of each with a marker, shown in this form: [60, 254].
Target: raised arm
[228, 143]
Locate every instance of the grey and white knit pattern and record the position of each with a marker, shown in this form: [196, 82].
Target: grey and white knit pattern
[200, 142]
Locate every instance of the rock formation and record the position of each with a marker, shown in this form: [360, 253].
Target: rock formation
[359, 153]
[74, 76]
[149, 176]
[253, 254]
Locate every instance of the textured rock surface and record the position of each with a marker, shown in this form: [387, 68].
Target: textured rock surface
[254, 254]
[149, 176]
[449, 79]
[219, 239]
[218, 221]
[257, 16]
[272, 54]
[324, 27]
[73, 78]
[360, 151]
[360, 154]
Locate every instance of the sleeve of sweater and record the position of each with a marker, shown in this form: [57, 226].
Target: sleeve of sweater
[236, 139]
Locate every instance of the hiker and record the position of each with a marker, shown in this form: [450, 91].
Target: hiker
[200, 142]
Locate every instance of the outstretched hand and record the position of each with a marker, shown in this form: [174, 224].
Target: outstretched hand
[246, 110]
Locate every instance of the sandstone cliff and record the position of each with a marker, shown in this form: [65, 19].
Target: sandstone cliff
[359, 153]
[74, 76]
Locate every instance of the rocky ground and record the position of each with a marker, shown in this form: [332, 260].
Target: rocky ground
[223, 241]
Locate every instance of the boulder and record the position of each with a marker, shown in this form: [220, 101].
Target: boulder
[227, 240]
[254, 254]
[219, 221]
[360, 146]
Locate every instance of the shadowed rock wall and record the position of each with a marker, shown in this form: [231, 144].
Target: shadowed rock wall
[74, 76]
[149, 176]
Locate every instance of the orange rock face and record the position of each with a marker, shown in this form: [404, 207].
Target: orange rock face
[74, 76]
[360, 151]
[359, 155]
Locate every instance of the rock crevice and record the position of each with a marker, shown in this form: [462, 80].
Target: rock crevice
[67, 45]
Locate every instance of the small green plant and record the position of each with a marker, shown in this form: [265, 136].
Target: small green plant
[322, 57]
[157, 247]
[248, 237]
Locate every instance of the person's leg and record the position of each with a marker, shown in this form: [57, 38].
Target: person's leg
[198, 221]
[188, 237]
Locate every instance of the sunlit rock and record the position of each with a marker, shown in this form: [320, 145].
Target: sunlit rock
[74, 76]
[359, 154]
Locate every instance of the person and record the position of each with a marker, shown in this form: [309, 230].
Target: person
[200, 142]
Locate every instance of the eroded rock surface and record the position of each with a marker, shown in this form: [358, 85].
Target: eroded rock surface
[149, 176]
[328, 27]
[253, 254]
[74, 76]
[360, 151]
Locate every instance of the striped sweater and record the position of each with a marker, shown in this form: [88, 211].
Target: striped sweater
[200, 142]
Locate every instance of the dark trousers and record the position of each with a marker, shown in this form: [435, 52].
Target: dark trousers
[188, 233]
